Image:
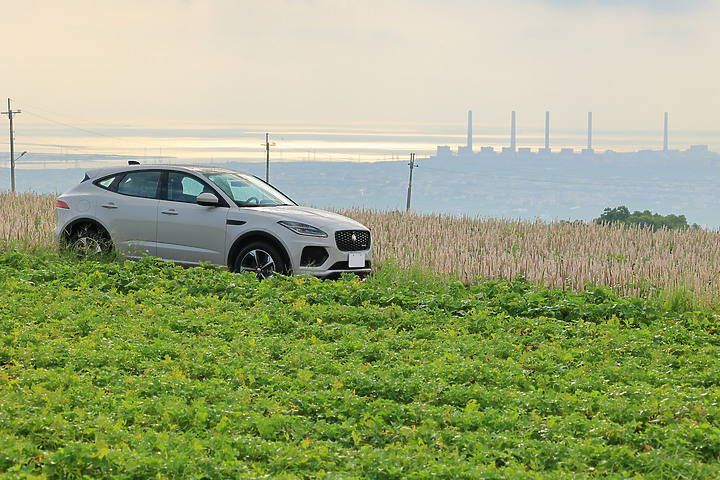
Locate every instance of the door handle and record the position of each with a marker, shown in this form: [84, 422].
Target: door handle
[169, 212]
[109, 205]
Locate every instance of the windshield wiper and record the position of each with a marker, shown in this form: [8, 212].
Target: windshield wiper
[255, 205]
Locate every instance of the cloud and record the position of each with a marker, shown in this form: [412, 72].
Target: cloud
[653, 6]
[328, 60]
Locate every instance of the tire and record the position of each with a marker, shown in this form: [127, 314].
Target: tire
[262, 259]
[87, 242]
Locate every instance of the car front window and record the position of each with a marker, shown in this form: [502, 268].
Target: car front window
[185, 188]
[248, 191]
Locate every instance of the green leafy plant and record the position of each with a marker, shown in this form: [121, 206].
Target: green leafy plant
[143, 369]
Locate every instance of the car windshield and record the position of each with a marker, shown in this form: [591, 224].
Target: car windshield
[246, 190]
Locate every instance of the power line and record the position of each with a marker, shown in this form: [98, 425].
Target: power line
[104, 125]
[91, 132]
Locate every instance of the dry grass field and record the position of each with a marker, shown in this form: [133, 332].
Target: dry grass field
[633, 261]
[27, 220]
[630, 260]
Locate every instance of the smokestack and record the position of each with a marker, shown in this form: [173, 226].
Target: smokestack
[665, 137]
[589, 131]
[512, 132]
[469, 138]
[547, 130]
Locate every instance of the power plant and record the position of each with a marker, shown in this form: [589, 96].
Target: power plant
[466, 151]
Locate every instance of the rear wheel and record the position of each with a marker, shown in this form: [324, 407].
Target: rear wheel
[87, 241]
[261, 259]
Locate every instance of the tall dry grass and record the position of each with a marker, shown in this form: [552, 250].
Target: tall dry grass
[27, 220]
[632, 261]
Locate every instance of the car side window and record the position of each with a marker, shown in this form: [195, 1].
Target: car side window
[185, 188]
[142, 183]
[106, 182]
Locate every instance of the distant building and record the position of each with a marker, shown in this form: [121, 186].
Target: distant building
[698, 149]
[443, 151]
[465, 151]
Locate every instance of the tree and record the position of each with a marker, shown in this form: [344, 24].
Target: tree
[617, 214]
[655, 221]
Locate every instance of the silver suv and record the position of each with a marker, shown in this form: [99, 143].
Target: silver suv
[199, 214]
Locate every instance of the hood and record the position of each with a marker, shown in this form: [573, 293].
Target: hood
[312, 216]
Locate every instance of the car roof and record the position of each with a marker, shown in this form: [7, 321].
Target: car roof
[198, 168]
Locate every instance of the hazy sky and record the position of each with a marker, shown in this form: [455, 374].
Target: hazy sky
[372, 61]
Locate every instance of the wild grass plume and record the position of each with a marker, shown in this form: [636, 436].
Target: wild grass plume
[630, 260]
[27, 220]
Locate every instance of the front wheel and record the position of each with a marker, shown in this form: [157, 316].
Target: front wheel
[261, 259]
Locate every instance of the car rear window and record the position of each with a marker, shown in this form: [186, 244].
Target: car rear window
[106, 182]
[142, 183]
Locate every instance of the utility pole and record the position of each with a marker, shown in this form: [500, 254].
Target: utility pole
[267, 146]
[412, 165]
[10, 114]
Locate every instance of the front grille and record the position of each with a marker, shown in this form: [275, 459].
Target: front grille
[352, 240]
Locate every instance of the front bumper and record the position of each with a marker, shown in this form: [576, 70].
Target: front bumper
[323, 259]
[336, 269]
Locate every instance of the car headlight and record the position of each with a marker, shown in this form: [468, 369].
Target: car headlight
[303, 228]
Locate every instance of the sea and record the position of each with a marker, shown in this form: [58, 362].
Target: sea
[367, 165]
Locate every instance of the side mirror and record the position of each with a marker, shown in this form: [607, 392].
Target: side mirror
[207, 199]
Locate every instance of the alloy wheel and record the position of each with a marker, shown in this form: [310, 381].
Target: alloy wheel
[259, 262]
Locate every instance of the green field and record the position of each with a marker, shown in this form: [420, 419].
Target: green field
[146, 370]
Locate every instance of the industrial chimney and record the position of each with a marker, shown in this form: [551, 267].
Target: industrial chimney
[547, 131]
[589, 148]
[469, 136]
[512, 133]
[546, 150]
